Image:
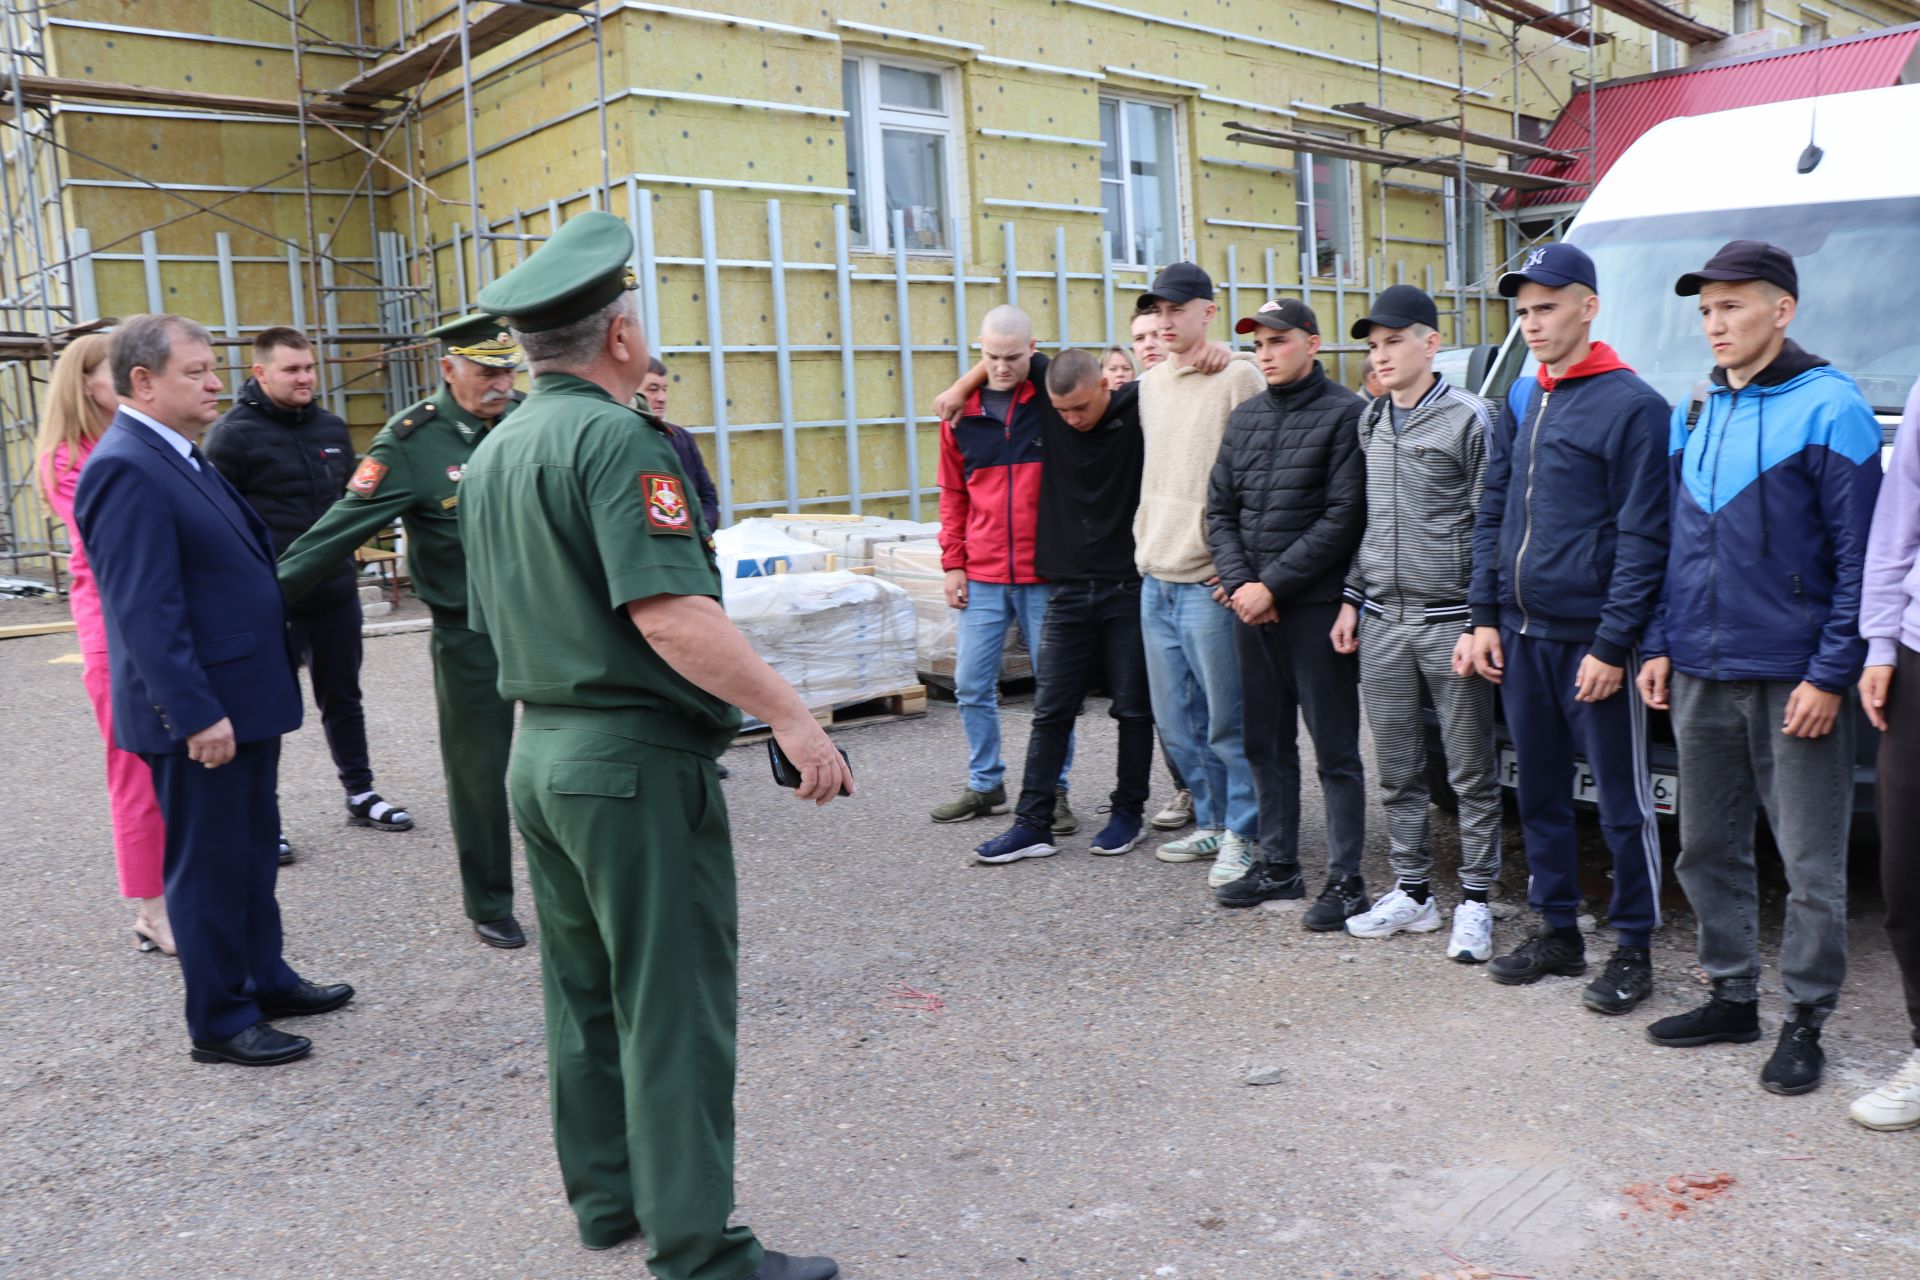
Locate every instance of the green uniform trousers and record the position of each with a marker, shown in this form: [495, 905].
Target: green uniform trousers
[631, 862]
[476, 738]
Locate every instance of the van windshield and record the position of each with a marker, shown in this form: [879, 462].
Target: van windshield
[1856, 301]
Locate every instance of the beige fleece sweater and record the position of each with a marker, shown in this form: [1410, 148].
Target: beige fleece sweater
[1183, 414]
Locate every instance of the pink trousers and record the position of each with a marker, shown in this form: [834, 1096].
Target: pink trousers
[139, 834]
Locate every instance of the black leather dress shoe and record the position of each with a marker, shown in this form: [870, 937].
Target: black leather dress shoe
[503, 933]
[613, 1241]
[780, 1266]
[258, 1046]
[307, 998]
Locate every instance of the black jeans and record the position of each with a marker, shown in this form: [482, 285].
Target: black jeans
[327, 643]
[1088, 621]
[1289, 670]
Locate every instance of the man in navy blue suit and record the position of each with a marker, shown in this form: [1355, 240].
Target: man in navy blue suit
[203, 685]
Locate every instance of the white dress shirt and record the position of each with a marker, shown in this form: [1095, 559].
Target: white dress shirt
[181, 445]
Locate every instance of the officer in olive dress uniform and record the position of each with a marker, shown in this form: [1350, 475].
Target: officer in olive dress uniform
[412, 471]
[588, 567]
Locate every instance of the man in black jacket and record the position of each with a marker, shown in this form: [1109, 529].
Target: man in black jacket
[1286, 510]
[290, 459]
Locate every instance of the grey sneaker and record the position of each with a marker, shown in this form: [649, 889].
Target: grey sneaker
[1177, 814]
[1064, 823]
[973, 804]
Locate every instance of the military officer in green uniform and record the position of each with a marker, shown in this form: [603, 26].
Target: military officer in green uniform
[413, 471]
[588, 568]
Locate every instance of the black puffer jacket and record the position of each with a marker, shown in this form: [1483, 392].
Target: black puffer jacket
[1287, 504]
[290, 465]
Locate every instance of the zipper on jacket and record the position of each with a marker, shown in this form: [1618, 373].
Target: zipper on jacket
[1806, 614]
[1526, 505]
[1006, 428]
[1713, 533]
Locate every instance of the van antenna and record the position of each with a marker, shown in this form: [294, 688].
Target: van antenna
[1811, 157]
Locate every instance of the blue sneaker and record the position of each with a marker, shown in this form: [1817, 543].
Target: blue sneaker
[1120, 834]
[1020, 841]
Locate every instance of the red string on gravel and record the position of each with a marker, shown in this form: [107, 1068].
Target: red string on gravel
[906, 999]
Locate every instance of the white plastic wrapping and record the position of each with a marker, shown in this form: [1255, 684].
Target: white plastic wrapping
[759, 548]
[838, 638]
[914, 567]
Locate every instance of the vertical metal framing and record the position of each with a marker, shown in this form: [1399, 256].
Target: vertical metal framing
[782, 353]
[910, 408]
[716, 354]
[843, 290]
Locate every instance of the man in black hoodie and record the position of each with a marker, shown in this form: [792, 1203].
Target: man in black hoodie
[1286, 510]
[290, 459]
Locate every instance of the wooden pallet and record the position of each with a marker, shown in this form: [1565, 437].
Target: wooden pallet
[896, 704]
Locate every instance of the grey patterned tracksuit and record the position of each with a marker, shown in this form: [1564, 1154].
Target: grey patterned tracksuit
[1409, 581]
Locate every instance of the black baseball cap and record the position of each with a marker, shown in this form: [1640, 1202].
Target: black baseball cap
[1181, 282]
[1744, 260]
[1281, 313]
[1553, 265]
[1399, 307]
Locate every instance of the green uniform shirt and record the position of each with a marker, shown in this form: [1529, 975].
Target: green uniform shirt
[570, 512]
[412, 470]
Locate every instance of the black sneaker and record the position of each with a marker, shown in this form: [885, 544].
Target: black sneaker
[1264, 882]
[1627, 981]
[1337, 903]
[1546, 952]
[1715, 1022]
[1796, 1061]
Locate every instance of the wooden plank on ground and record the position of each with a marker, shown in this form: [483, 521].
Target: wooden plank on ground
[24, 630]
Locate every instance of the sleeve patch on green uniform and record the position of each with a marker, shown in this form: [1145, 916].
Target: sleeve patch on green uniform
[366, 480]
[667, 510]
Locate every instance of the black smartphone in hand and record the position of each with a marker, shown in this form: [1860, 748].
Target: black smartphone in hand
[787, 774]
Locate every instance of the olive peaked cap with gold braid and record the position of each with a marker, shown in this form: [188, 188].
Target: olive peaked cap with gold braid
[481, 338]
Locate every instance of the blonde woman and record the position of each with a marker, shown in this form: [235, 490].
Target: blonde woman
[80, 404]
[1116, 368]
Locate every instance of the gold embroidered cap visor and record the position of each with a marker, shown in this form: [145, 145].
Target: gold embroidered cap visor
[481, 338]
[581, 268]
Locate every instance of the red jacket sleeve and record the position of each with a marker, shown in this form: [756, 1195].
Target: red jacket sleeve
[955, 504]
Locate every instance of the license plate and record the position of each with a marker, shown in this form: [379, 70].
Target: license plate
[1666, 787]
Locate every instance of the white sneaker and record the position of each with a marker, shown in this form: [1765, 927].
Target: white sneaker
[1202, 844]
[1177, 814]
[1394, 913]
[1895, 1104]
[1234, 861]
[1472, 941]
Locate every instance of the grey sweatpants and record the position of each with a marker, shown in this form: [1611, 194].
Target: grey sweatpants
[1733, 758]
[1398, 659]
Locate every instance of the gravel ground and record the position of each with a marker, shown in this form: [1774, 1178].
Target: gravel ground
[1077, 1110]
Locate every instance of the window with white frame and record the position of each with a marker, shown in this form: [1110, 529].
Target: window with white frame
[1323, 199]
[1466, 234]
[1139, 182]
[1746, 16]
[1462, 7]
[1667, 53]
[1813, 25]
[899, 153]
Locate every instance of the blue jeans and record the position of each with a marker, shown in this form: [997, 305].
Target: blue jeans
[1194, 674]
[991, 606]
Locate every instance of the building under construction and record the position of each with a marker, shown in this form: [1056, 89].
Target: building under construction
[824, 199]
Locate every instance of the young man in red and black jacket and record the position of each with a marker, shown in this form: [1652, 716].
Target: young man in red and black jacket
[989, 506]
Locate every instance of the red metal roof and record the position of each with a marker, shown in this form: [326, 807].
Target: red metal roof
[1625, 109]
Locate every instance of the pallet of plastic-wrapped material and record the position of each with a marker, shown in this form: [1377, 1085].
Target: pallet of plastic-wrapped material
[854, 538]
[838, 638]
[761, 548]
[914, 567]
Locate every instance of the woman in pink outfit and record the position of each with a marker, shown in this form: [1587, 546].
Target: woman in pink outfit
[80, 404]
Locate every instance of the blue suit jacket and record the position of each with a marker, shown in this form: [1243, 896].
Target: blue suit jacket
[196, 626]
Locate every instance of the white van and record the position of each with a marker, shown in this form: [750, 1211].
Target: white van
[1852, 223]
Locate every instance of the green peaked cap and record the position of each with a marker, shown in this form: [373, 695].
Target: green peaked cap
[581, 268]
[481, 338]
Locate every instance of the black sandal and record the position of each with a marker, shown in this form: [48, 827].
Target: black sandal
[378, 814]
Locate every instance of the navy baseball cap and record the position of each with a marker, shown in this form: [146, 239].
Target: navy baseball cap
[1553, 265]
[1400, 307]
[1744, 260]
[1281, 313]
[1181, 282]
